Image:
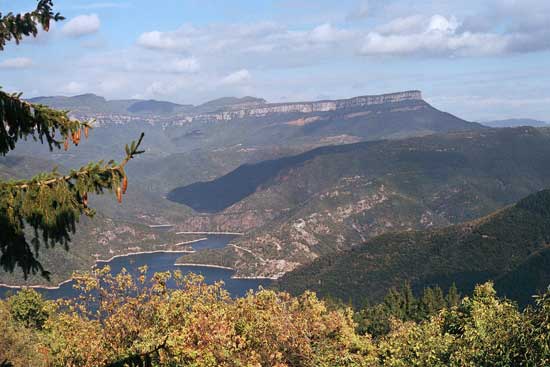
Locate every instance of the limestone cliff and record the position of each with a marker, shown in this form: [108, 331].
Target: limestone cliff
[259, 110]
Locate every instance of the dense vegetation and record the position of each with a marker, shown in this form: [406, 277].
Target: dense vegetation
[510, 246]
[120, 321]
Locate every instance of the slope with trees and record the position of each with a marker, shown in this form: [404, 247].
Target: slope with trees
[332, 198]
[510, 246]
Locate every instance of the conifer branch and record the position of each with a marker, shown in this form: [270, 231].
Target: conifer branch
[17, 26]
[51, 204]
[93, 168]
[19, 119]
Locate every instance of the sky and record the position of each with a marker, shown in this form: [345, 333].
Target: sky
[480, 60]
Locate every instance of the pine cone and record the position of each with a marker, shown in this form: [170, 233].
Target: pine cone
[119, 194]
[124, 184]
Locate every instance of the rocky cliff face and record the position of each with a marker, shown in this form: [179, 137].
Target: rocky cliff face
[260, 110]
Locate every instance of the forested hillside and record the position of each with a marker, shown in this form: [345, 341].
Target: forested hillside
[510, 247]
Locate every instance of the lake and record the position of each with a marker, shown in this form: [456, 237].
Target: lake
[164, 261]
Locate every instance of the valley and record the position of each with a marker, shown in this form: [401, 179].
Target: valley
[300, 181]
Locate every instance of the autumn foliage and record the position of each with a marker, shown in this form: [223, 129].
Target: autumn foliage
[122, 321]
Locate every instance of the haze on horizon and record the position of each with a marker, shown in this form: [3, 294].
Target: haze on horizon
[479, 60]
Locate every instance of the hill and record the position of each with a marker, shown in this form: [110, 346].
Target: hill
[516, 123]
[331, 198]
[510, 246]
[90, 104]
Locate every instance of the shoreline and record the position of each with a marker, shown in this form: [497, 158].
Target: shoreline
[213, 233]
[204, 266]
[54, 287]
[103, 261]
[2, 285]
[147, 252]
[226, 268]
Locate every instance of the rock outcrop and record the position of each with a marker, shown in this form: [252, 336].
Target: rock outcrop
[261, 110]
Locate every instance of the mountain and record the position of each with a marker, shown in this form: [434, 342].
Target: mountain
[190, 146]
[298, 208]
[155, 107]
[516, 123]
[510, 246]
[228, 102]
[90, 104]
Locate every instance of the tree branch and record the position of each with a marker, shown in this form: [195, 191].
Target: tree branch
[24, 25]
[20, 118]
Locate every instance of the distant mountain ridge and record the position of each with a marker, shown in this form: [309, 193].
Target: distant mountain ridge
[226, 108]
[516, 123]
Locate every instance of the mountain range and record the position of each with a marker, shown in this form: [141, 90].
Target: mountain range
[516, 123]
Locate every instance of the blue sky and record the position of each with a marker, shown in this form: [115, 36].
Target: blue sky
[480, 60]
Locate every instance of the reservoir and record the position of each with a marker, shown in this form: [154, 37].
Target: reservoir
[165, 261]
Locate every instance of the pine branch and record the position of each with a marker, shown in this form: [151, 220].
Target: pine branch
[51, 204]
[17, 26]
[19, 119]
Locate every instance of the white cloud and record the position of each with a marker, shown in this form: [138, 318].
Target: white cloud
[162, 41]
[16, 63]
[183, 65]
[255, 37]
[326, 33]
[82, 25]
[238, 77]
[73, 88]
[410, 24]
[433, 36]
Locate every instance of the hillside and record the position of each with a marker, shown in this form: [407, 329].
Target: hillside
[510, 246]
[332, 198]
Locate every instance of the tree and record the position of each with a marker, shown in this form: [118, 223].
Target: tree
[47, 207]
[29, 308]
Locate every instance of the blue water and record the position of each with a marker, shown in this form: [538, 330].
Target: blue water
[158, 262]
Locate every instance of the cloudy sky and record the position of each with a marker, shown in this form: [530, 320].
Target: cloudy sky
[479, 59]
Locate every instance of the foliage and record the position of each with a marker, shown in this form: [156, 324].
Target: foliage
[122, 321]
[401, 304]
[29, 308]
[17, 26]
